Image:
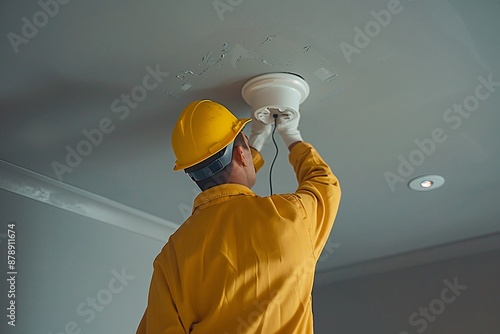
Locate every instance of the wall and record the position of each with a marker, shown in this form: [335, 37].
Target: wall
[74, 274]
[403, 301]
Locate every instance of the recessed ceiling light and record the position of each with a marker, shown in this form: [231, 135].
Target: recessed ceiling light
[426, 182]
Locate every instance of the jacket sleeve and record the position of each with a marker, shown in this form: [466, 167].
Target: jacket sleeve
[318, 193]
[161, 316]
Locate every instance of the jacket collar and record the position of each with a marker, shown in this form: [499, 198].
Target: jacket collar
[221, 193]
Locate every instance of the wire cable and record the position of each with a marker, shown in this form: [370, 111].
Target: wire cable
[275, 156]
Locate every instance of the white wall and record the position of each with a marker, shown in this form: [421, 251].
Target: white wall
[383, 303]
[63, 259]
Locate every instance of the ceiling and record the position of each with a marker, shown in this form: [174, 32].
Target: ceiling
[391, 85]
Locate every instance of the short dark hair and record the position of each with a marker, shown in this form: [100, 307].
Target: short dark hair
[221, 177]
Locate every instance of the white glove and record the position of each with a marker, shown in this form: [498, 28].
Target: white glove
[288, 128]
[261, 130]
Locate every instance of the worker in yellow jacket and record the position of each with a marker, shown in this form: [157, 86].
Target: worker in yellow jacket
[241, 263]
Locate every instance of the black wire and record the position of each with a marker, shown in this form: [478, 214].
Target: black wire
[275, 156]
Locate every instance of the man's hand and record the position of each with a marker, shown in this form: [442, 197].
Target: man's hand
[261, 130]
[287, 127]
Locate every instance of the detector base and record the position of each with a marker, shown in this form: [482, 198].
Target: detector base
[275, 94]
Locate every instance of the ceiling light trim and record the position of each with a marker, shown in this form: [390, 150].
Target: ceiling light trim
[426, 182]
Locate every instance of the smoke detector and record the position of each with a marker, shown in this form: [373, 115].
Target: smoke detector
[275, 94]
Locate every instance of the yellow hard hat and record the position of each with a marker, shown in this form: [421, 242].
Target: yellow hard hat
[203, 129]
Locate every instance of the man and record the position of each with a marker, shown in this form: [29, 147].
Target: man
[241, 263]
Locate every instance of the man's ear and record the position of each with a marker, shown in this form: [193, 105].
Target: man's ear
[239, 156]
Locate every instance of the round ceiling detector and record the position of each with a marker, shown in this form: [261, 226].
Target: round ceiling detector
[426, 182]
[272, 93]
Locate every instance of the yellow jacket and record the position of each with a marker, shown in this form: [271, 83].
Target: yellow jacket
[244, 263]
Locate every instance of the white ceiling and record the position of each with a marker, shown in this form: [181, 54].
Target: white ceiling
[394, 89]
